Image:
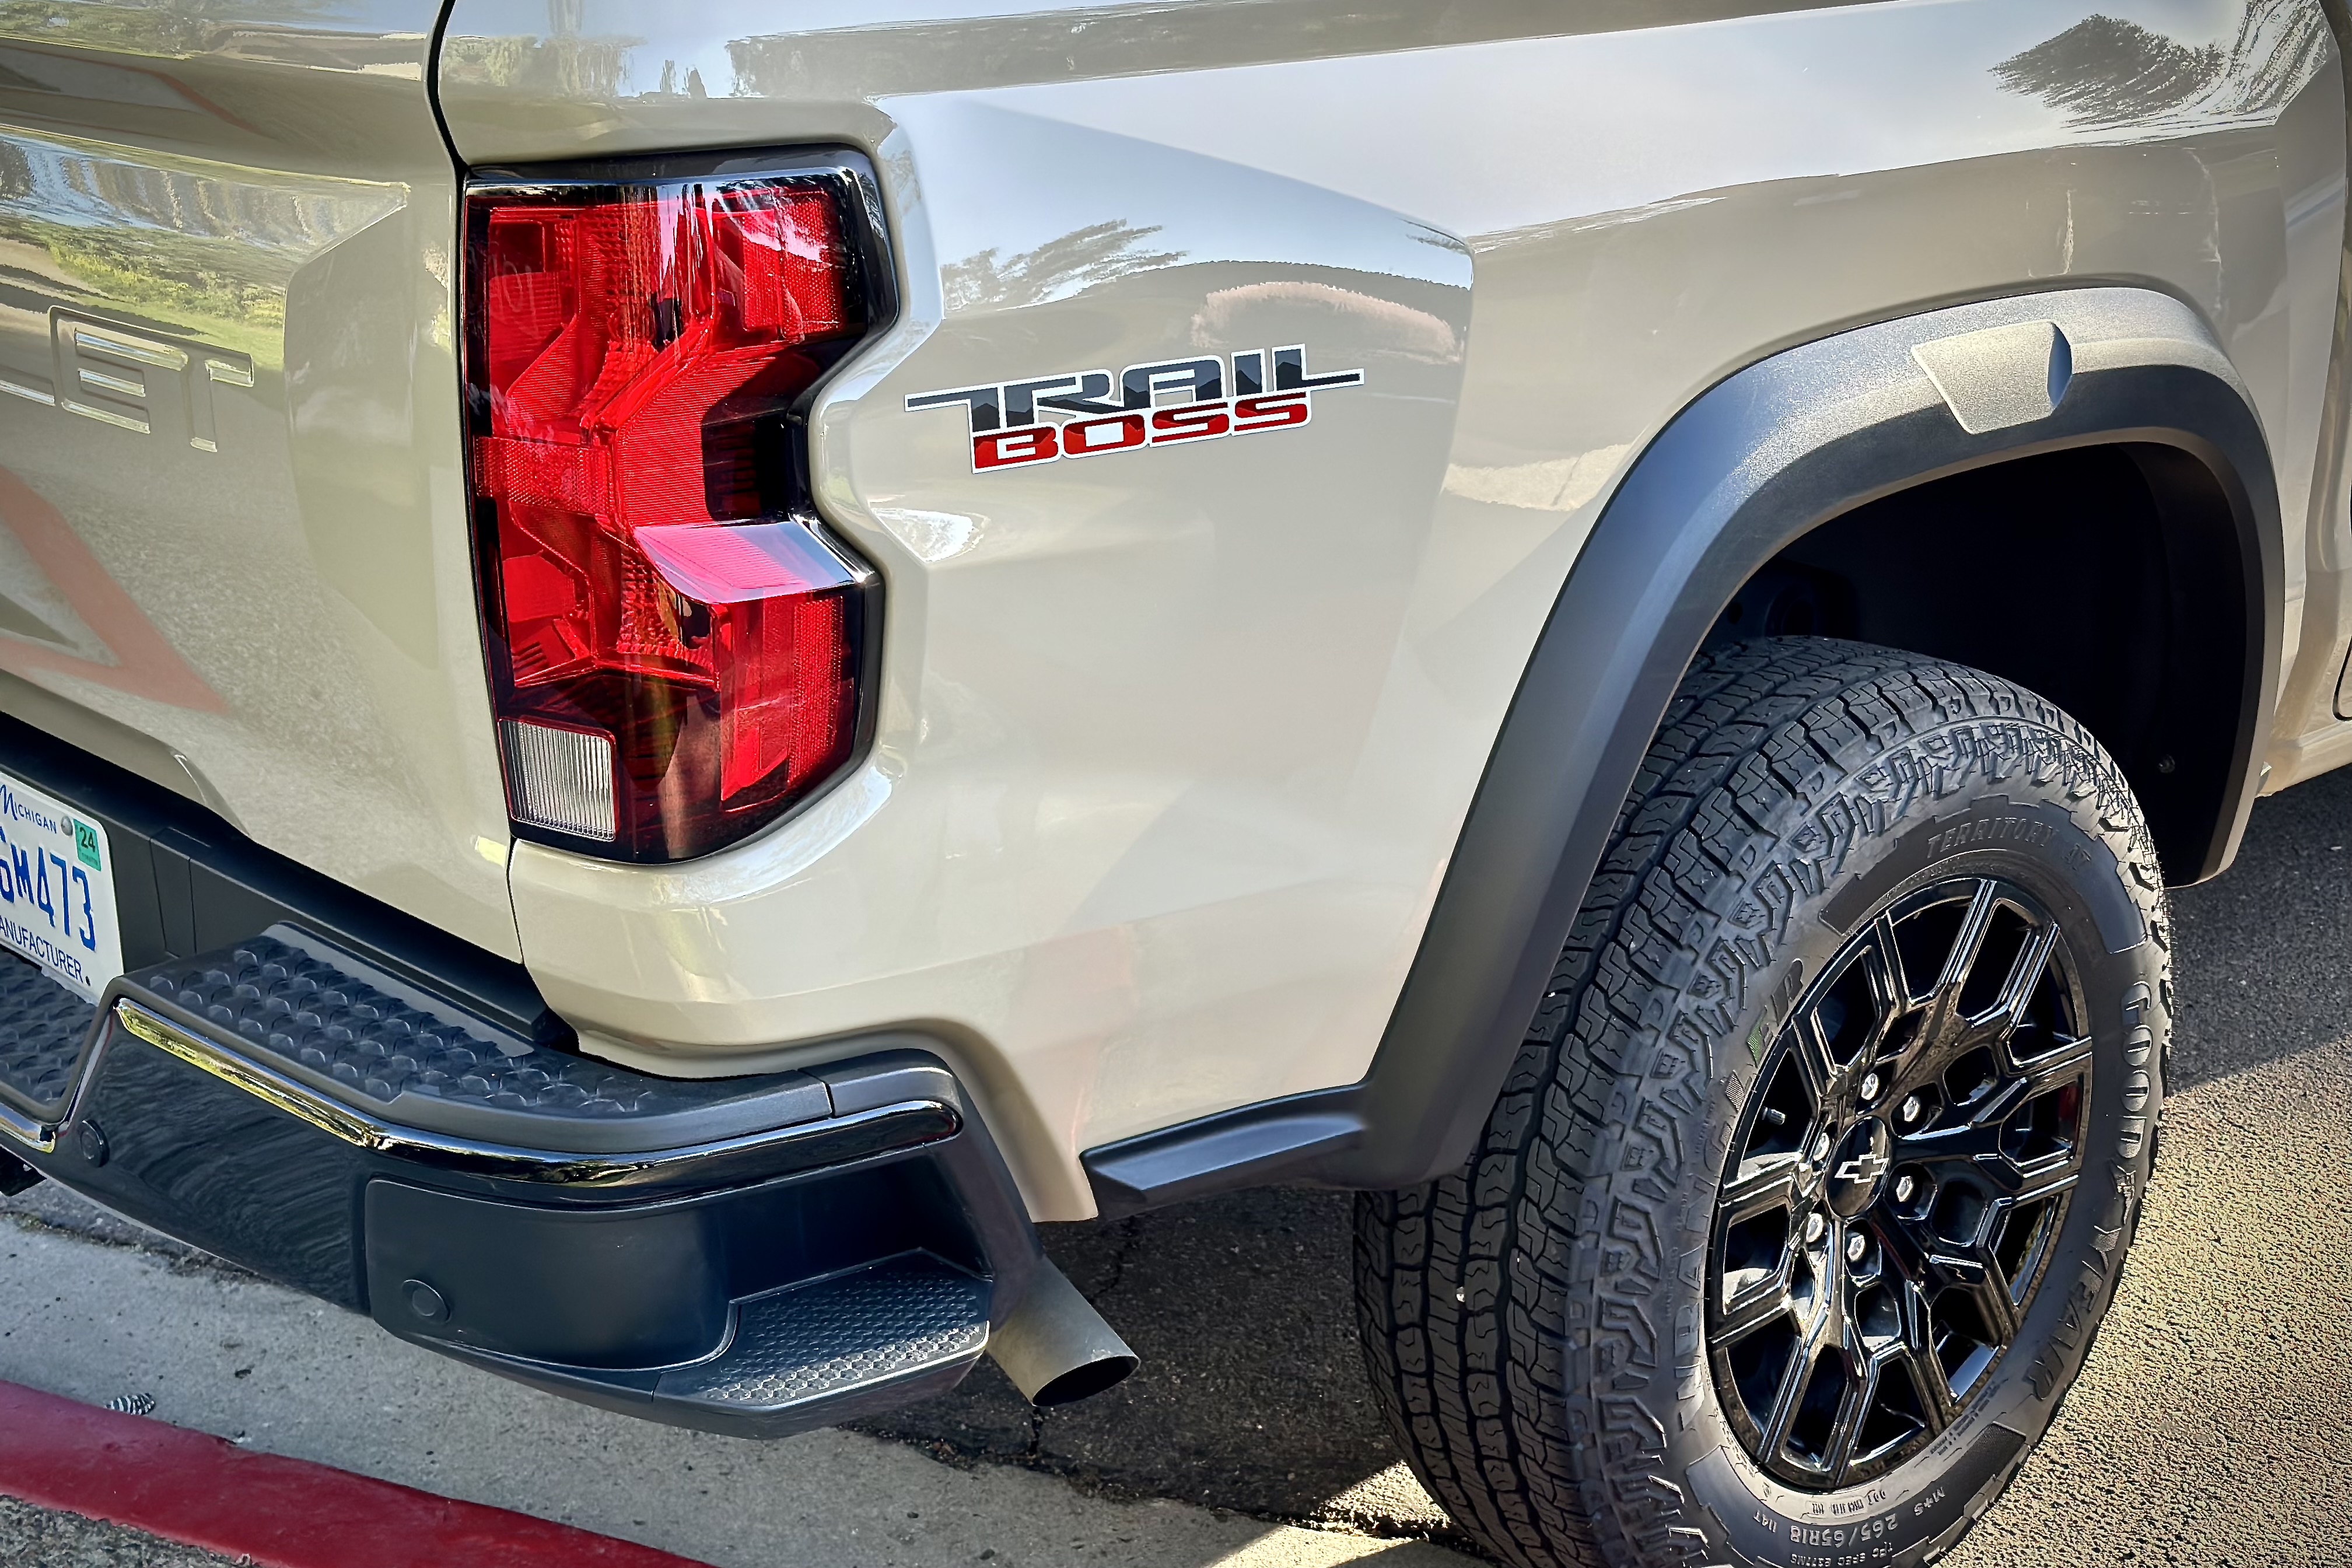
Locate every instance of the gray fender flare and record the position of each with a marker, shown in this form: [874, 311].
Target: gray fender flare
[1760, 459]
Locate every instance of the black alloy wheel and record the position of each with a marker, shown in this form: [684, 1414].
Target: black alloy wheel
[1882, 1225]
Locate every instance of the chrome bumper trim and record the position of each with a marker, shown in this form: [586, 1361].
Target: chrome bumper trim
[921, 1121]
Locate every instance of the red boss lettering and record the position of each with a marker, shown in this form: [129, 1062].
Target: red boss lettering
[1004, 449]
[1269, 413]
[1085, 437]
[1195, 422]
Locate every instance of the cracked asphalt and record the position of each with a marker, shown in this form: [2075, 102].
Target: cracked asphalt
[2212, 1424]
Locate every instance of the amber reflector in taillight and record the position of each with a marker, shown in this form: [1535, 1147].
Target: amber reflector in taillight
[675, 660]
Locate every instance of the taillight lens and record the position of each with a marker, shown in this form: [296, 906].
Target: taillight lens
[675, 654]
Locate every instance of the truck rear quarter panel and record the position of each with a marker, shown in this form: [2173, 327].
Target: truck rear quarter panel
[1174, 746]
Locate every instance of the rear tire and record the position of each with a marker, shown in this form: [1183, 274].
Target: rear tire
[1869, 924]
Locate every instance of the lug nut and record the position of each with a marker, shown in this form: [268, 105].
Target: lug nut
[1870, 1085]
[1911, 1108]
[1856, 1244]
[1821, 1148]
[1904, 1188]
[1813, 1227]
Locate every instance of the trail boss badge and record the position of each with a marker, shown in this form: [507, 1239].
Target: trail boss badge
[1078, 415]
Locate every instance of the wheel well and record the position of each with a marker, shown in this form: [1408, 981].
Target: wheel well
[2107, 578]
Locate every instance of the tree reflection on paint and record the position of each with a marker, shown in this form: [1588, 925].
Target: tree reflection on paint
[1098, 252]
[2105, 71]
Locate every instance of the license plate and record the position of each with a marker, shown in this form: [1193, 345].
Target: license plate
[56, 889]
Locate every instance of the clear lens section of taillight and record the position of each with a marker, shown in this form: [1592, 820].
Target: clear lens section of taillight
[674, 658]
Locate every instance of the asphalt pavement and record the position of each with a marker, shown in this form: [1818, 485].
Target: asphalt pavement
[2212, 1424]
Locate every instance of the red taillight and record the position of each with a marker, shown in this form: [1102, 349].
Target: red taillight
[675, 658]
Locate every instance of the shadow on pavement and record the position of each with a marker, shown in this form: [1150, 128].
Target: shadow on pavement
[2262, 960]
[1252, 1394]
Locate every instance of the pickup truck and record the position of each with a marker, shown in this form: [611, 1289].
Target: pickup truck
[592, 768]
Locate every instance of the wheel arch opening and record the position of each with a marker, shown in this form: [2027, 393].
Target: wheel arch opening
[2110, 578]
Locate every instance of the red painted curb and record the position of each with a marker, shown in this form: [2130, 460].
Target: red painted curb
[195, 1488]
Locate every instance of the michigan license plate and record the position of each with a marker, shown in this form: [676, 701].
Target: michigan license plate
[56, 889]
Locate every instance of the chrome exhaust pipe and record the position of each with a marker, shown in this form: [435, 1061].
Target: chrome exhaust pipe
[1055, 1347]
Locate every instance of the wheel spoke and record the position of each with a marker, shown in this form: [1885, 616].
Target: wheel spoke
[1940, 1145]
[1813, 1057]
[1992, 1297]
[1752, 1309]
[1994, 1108]
[1999, 1178]
[1899, 985]
[1937, 1405]
[1944, 1002]
[1895, 1384]
[1846, 1426]
[2068, 1061]
[1973, 1268]
[1774, 1185]
[2024, 975]
[1943, 1265]
[1823, 1334]
[1902, 1243]
[1884, 964]
[2039, 1040]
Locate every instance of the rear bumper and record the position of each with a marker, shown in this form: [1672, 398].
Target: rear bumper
[752, 1256]
[344, 1100]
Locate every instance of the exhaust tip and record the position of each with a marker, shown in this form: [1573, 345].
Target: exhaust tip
[1085, 1382]
[1055, 1347]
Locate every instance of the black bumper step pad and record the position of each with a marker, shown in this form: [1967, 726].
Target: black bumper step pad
[810, 1354]
[308, 1012]
[44, 1029]
[335, 1023]
[903, 1317]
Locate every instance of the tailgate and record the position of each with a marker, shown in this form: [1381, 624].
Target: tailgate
[234, 553]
